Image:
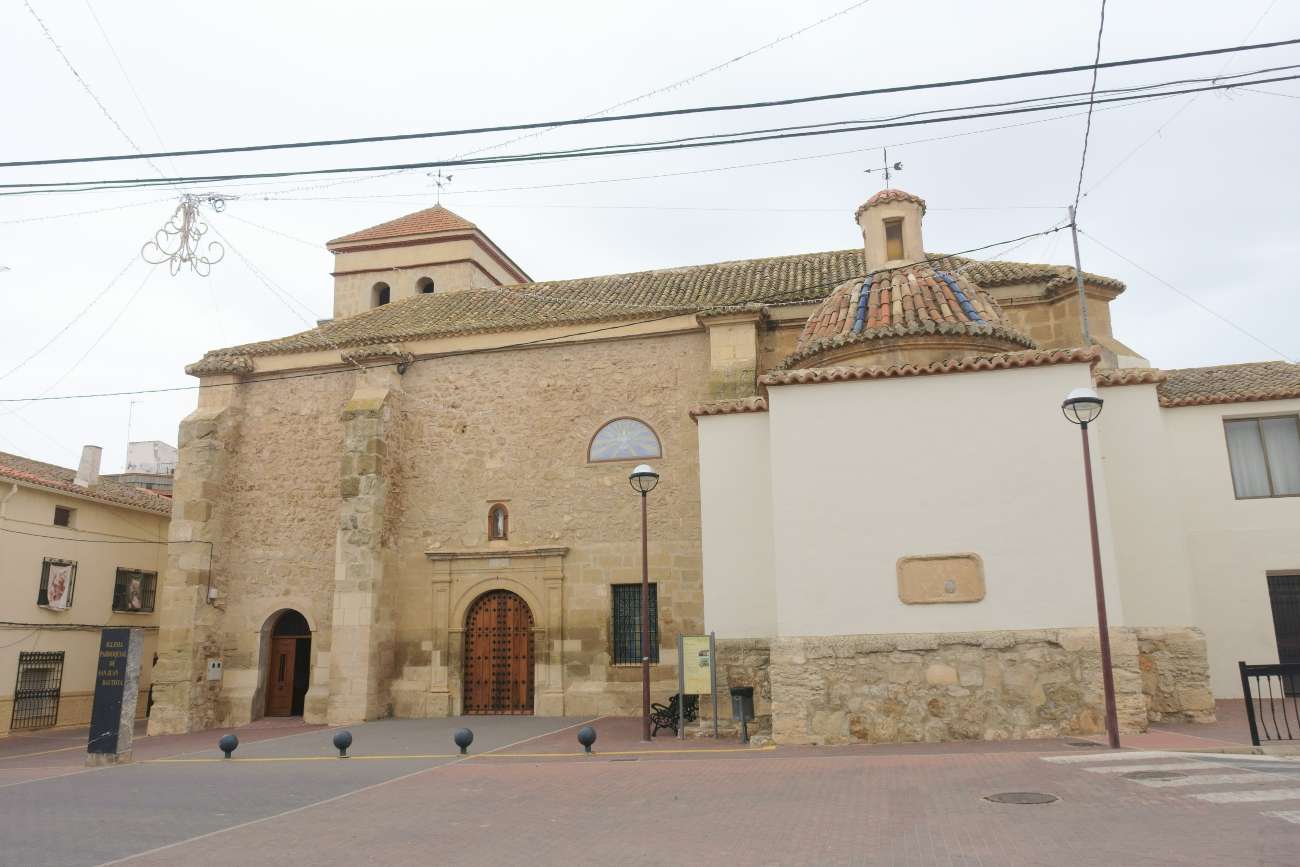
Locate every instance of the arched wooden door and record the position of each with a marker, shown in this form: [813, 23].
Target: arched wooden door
[499, 655]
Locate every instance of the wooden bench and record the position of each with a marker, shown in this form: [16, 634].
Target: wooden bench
[666, 716]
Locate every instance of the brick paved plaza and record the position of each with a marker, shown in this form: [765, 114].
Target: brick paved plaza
[526, 794]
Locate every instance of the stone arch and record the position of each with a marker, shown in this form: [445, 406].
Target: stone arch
[271, 615]
[499, 664]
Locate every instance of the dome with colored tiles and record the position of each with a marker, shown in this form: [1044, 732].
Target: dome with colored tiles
[913, 314]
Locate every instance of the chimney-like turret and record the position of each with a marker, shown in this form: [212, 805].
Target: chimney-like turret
[88, 469]
[891, 229]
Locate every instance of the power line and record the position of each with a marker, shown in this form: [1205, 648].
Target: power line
[1190, 298]
[772, 298]
[586, 152]
[125, 75]
[775, 103]
[1087, 128]
[139, 154]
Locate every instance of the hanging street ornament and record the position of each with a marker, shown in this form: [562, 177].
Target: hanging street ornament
[177, 243]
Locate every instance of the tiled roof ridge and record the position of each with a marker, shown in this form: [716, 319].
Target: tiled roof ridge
[730, 406]
[1230, 383]
[1129, 376]
[54, 477]
[946, 329]
[1000, 361]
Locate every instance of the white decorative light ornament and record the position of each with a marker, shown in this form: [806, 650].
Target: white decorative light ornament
[1082, 405]
[177, 242]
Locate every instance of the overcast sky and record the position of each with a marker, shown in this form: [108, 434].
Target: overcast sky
[1206, 204]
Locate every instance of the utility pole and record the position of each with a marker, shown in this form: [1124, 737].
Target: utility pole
[1078, 280]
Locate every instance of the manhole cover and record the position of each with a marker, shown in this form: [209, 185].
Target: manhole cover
[1154, 775]
[1021, 798]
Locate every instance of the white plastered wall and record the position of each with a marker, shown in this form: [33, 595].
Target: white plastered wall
[736, 514]
[1232, 544]
[867, 472]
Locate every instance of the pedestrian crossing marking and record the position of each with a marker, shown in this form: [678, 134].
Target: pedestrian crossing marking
[1218, 780]
[1292, 816]
[1248, 796]
[1117, 756]
[1165, 766]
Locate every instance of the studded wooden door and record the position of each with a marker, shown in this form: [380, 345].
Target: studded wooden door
[499, 655]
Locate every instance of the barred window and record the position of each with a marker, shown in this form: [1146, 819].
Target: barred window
[627, 623]
[134, 590]
[58, 581]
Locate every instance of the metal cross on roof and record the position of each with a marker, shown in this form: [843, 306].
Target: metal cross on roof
[439, 181]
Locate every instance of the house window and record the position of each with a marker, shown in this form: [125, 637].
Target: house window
[498, 522]
[424, 285]
[58, 580]
[627, 623]
[379, 295]
[37, 689]
[62, 516]
[134, 590]
[894, 238]
[624, 439]
[1264, 454]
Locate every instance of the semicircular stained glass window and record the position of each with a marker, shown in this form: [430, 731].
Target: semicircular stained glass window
[624, 439]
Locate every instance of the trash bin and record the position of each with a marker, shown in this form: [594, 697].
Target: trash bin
[742, 708]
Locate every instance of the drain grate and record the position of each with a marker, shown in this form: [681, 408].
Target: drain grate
[1154, 775]
[625, 759]
[1021, 798]
[1084, 744]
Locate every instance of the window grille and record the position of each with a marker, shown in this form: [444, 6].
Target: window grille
[134, 590]
[64, 573]
[1264, 455]
[36, 691]
[627, 623]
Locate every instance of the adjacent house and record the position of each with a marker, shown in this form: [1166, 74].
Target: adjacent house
[77, 553]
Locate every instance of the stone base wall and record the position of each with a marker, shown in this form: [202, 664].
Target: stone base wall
[742, 662]
[1175, 676]
[980, 685]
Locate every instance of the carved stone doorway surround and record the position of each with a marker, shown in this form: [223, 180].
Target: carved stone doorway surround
[460, 577]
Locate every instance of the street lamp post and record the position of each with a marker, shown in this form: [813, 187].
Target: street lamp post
[643, 480]
[1081, 406]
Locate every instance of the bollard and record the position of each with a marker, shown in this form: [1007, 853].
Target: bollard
[587, 737]
[463, 738]
[343, 740]
[227, 744]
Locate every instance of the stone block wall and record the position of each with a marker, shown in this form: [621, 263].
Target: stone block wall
[742, 662]
[981, 685]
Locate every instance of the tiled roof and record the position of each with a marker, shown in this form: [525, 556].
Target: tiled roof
[729, 407]
[1001, 361]
[60, 479]
[1231, 383]
[435, 219]
[884, 197]
[804, 277]
[1129, 376]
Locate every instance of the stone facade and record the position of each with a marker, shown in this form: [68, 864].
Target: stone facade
[360, 500]
[980, 685]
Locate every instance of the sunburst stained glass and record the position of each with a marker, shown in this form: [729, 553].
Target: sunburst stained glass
[624, 439]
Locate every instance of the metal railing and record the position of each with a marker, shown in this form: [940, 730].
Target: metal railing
[1271, 704]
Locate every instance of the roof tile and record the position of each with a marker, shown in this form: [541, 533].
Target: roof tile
[435, 219]
[58, 478]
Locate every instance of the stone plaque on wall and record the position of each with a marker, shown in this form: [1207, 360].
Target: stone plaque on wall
[940, 578]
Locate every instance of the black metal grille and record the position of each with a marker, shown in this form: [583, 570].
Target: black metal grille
[134, 590]
[36, 691]
[1271, 706]
[627, 623]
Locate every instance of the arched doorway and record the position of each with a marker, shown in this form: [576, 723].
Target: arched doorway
[289, 665]
[499, 655]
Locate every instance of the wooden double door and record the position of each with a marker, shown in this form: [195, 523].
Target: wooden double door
[498, 668]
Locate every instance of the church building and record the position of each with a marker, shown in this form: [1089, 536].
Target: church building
[868, 491]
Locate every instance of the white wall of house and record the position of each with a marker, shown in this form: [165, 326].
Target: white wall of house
[736, 513]
[1232, 544]
[866, 472]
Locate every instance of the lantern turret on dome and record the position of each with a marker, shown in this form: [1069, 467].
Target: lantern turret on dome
[907, 309]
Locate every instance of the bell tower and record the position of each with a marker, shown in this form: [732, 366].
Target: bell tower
[891, 229]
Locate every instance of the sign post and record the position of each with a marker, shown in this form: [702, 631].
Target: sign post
[696, 675]
[117, 685]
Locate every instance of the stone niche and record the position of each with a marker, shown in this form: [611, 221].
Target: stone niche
[998, 685]
[927, 580]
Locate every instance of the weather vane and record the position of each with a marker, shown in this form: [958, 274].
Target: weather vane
[439, 181]
[177, 242]
[885, 167]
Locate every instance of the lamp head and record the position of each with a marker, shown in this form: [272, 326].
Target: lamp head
[1081, 406]
[643, 479]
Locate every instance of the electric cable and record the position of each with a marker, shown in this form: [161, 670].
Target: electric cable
[774, 103]
[1087, 128]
